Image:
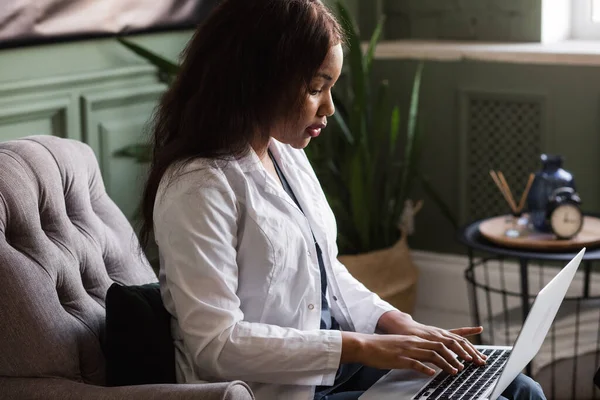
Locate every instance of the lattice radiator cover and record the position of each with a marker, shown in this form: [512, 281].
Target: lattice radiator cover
[502, 132]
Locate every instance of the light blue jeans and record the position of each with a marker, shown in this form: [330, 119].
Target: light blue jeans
[522, 388]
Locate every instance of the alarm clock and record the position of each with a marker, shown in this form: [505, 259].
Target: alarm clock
[563, 213]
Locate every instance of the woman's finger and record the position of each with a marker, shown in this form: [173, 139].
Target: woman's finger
[409, 363]
[469, 331]
[466, 332]
[476, 355]
[440, 348]
[458, 348]
[452, 366]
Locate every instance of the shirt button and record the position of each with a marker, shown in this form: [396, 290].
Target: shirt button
[334, 298]
[311, 307]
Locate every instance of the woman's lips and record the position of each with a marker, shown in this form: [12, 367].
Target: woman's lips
[315, 130]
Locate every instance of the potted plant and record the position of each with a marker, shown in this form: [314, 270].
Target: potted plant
[367, 169]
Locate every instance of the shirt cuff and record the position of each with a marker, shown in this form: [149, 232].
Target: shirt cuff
[334, 351]
[380, 308]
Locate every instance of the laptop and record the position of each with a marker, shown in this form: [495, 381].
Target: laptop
[503, 365]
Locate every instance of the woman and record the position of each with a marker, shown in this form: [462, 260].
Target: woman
[247, 241]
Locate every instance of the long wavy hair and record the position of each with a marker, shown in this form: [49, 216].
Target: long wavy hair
[247, 66]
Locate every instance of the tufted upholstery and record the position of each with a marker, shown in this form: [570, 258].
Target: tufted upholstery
[63, 242]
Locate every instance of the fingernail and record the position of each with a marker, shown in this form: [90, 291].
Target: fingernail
[454, 371]
[469, 358]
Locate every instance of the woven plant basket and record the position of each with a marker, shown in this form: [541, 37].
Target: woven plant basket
[389, 272]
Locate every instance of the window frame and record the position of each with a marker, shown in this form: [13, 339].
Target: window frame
[583, 26]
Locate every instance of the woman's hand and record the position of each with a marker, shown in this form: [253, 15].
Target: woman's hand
[398, 352]
[398, 323]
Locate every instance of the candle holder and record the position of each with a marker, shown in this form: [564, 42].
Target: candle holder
[517, 225]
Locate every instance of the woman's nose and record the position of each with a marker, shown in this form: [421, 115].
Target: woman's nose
[328, 107]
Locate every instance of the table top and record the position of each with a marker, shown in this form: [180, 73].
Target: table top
[471, 237]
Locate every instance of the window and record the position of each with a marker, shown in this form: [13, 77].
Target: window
[585, 21]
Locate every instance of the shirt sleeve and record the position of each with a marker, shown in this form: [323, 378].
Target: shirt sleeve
[365, 307]
[197, 236]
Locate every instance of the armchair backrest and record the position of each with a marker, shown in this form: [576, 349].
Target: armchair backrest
[63, 242]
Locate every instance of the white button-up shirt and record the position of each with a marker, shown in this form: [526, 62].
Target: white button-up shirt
[240, 276]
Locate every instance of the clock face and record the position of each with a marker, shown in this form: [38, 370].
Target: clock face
[566, 221]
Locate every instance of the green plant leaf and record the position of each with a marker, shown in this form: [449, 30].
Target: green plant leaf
[414, 104]
[357, 75]
[344, 128]
[394, 129]
[379, 139]
[360, 209]
[341, 121]
[373, 45]
[439, 201]
[411, 134]
[160, 62]
[142, 152]
[340, 107]
[379, 134]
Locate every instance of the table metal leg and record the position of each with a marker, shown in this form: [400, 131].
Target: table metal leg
[525, 297]
[474, 303]
[586, 283]
[524, 287]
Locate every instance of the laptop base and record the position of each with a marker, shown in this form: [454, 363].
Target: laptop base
[405, 384]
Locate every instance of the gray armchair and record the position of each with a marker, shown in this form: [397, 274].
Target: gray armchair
[63, 242]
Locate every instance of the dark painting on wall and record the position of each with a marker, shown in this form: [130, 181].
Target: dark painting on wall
[36, 21]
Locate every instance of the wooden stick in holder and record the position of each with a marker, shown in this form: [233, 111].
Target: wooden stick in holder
[504, 188]
[511, 200]
[526, 192]
[501, 188]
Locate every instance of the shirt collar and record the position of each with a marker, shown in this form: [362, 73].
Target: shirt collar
[251, 162]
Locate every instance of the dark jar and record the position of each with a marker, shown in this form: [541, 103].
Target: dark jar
[550, 178]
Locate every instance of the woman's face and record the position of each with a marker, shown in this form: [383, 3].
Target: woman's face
[318, 104]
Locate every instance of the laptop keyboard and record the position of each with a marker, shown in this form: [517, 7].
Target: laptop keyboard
[469, 383]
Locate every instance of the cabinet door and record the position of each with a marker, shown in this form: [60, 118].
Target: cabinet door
[111, 121]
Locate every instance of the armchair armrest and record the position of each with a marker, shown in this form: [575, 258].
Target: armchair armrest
[64, 389]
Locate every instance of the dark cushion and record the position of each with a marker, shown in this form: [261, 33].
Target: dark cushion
[138, 345]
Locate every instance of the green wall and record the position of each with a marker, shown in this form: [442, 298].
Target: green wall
[485, 20]
[571, 95]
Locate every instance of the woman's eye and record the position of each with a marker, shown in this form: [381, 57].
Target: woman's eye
[315, 92]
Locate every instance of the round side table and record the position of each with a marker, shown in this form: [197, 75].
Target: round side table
[486, 277]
